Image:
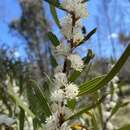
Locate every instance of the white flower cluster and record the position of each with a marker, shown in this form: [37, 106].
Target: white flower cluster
[78, 7]
[76, 62]
[110, 103]
[15, 87]
[62, 49]
[63, 91]
[28, 125]
[60, 79]
[70, 31]
[53, 122]
[71, 25]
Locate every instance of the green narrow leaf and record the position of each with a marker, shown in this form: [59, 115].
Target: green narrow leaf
[54, 14]
[100, 114]
[89, 57]
[21, 119]
[53, 39]
[40, 96]
[84, 88]
[86, 109]
[93, 120]
[71, 104]
[19, 102]
[37, 124]
[74, 76]
[109, 76]
[89, 35]
[53, 61]
[35, 104]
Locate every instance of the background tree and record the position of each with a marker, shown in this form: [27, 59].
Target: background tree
[32, 26]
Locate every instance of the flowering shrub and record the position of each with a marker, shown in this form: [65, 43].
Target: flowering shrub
[61, 108]
[64, 89]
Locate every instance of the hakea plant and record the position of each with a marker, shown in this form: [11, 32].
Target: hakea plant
[64, 90]
[61, 108]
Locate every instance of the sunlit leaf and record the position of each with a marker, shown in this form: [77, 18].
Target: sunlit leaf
[86, 87]
[90, 89]
[54, 13]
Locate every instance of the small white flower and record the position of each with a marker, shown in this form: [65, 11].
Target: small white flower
[71, 91]
[76, 62]
[52, 122]
[115, 85]
[112, 104]
[77, 33]
[82, 121]
[115, 79]
[110, 126]
[106, 114]
[6, 82]
[115, 97]
[60, 79]
[66, 26]
[54, 107]
[61, 109]
[58, 95]
[16, 89]
[81, 10]
[65, 126]
[108, 97]
[107, 106]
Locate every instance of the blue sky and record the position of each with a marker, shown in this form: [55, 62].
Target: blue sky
[10, 10]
